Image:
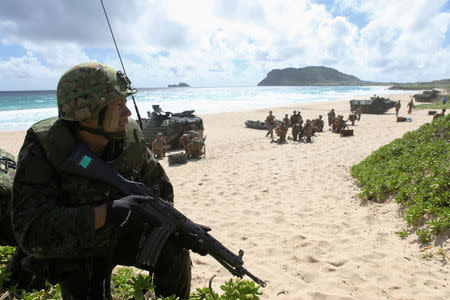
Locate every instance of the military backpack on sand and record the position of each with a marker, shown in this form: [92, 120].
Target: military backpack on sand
[7, 172]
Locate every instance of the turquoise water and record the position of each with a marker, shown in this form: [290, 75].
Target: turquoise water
[20, 109]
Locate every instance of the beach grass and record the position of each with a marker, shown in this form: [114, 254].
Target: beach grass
[127, 285]
[414, 170]
[433, 105]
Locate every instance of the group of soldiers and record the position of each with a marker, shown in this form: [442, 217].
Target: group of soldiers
[300, 130]
[410, 106]
[192, 143]
[305, 130]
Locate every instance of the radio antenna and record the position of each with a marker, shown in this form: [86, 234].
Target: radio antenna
[130, 86]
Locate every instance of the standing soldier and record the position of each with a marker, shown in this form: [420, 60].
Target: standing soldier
[299, 118]
[296, 128]
[270, 123]
[159, 146]
[293, 119]
[331, 116]
[307, 131]
[410, 106]
[286, 121]
[359, 112]
[397, 107]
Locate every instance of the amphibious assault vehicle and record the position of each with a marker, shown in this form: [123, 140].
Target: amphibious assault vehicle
[376, 105]
[171, 125]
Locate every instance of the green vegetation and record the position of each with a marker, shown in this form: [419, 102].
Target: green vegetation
[437, 106]
[415, 171]
[127, 285]
[437, 84]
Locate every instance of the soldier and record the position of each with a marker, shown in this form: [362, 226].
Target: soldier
[286, 120]
[71, 228]
[307, 131]
[19, 277]
[352, 118]
[359, 112]
[184, 141]
[300, 118]
[270, 123]
[439, 115]
[397, 107]
[338, 124]
[293, 119]
[296, 129]
[317, 124]
[159, 146]
[331, 116]
[410, 106]
[7, 172]
[281, 130]
[320, 124]
[195, 145]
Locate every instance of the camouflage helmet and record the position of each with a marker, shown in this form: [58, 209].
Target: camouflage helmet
[86, 88]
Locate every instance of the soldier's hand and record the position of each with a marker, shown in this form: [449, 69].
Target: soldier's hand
[128, 214]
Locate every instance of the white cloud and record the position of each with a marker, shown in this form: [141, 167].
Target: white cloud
[228, 42]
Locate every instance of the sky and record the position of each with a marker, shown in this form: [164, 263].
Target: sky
[222, 43]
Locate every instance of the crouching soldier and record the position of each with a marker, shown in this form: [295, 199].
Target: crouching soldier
[281, 131]
[317, 124]
[75, 229]
[195, 146]
[159, 146]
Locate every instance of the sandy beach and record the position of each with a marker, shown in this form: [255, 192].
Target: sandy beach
[293, 209]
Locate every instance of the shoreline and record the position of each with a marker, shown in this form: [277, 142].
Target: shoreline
[293, 209]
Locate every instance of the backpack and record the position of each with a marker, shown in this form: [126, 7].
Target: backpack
[7, 172]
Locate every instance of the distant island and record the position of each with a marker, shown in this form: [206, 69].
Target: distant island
[181, 84]
[323, 76]
[316, 76]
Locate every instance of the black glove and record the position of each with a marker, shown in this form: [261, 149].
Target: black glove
[128, 213]
[190, 241]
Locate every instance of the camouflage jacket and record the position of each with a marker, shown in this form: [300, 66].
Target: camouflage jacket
[7, 172]
[52, 211]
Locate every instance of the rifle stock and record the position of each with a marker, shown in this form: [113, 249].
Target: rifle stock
[83, 162]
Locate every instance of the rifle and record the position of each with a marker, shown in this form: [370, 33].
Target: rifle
[85, 163]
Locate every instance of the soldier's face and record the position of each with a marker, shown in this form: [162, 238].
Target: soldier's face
[116, 116]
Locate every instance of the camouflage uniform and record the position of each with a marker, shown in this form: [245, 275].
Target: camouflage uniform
[293, 119]
[52, 211]
[7, 172]
[397, 107]
[359, 112]
[286, 120]
[331, 116]
[410, 106]
[281, 131]
[352, 118]
[159, 146]
[270, 123]
[296, 129]
[195, 145]
[307, 131]
[439, 114]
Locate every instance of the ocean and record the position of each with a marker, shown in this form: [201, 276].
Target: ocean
[20, 109]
